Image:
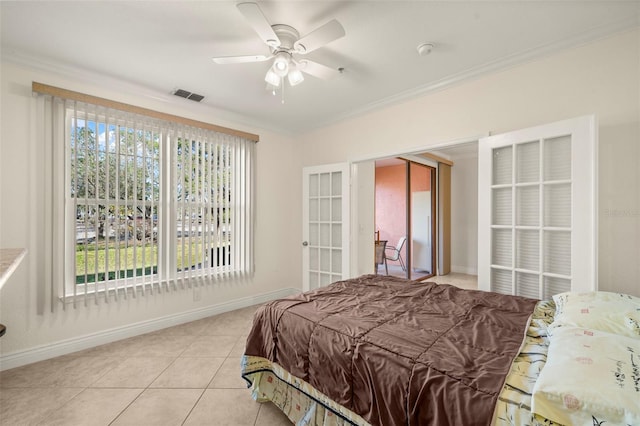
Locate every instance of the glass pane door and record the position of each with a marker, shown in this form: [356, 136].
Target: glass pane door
[325, 256]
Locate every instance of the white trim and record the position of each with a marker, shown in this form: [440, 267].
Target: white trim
[353, 219]
[103, 80]
[63, 347]
[484, 222]
[420, 149]
[131, 88]
[421, 160]
[485, 69]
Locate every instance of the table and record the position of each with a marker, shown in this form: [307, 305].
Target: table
[10, 258]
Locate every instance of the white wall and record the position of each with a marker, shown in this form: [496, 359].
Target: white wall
[464, 215]
[362, 228]
[278, 266]
[601, 77]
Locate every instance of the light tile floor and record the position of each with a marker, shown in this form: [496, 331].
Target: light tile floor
[396, 270]
[468, 282]
[184, 375]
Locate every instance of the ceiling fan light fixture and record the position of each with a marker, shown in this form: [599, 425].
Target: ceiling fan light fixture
[281, 64]
[272, 78]
[285, 44]
[295, 77]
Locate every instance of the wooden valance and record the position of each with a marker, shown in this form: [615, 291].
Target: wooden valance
[82, 97]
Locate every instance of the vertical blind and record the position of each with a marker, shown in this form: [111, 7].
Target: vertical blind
[142, 204]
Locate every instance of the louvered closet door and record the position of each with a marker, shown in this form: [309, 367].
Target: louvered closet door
[537, 210]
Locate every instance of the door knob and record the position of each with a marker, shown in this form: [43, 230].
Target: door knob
[304, 243]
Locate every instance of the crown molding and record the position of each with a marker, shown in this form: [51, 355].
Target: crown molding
[117, 84]
[598, 33]
[236, 119]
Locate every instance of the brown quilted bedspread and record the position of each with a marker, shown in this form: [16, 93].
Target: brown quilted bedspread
[397, 352]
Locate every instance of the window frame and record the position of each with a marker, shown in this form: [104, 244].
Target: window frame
[166, 276]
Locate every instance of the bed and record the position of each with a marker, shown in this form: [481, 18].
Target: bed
[384, 351]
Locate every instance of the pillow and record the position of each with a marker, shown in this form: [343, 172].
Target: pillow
[590, 377]
[599, 310]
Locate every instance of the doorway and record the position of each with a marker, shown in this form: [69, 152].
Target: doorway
[463, 243]
[405, 218]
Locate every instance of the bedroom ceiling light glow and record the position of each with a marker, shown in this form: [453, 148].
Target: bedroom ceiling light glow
[272, 78]
[283, 66]
[295, 76]
[281, 63]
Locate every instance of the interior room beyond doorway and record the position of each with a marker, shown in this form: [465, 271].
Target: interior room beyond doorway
[405, 218]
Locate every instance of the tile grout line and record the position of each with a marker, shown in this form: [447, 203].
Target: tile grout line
[232, 353]
[149, 387]
[194, 406]
[125, 408]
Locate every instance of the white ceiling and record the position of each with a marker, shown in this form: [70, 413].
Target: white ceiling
[160, 46]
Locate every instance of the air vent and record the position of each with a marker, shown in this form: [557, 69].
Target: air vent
[188, 95]
[195, 97]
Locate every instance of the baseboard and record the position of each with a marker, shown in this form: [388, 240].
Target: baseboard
[464, 270]
[75, 344]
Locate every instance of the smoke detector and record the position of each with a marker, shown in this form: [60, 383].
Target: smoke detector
[425, 48]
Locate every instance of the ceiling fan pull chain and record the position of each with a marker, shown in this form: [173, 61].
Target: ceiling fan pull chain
[282, 90]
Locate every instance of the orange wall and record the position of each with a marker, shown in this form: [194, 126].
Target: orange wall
[420, 178]
[391, 201]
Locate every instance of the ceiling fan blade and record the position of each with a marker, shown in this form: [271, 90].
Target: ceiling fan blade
[259, 23]
[317, 70]
[327, 33]
[223, 60]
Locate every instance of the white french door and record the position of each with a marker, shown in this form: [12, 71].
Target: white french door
[325, 212]
[537, 210]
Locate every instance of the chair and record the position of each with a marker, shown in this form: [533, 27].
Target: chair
[393, 253]
[379, 254]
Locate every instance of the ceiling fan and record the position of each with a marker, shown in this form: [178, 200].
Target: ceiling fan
[286, 46]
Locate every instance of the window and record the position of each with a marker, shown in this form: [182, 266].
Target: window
[149, 205]
[113, 191]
